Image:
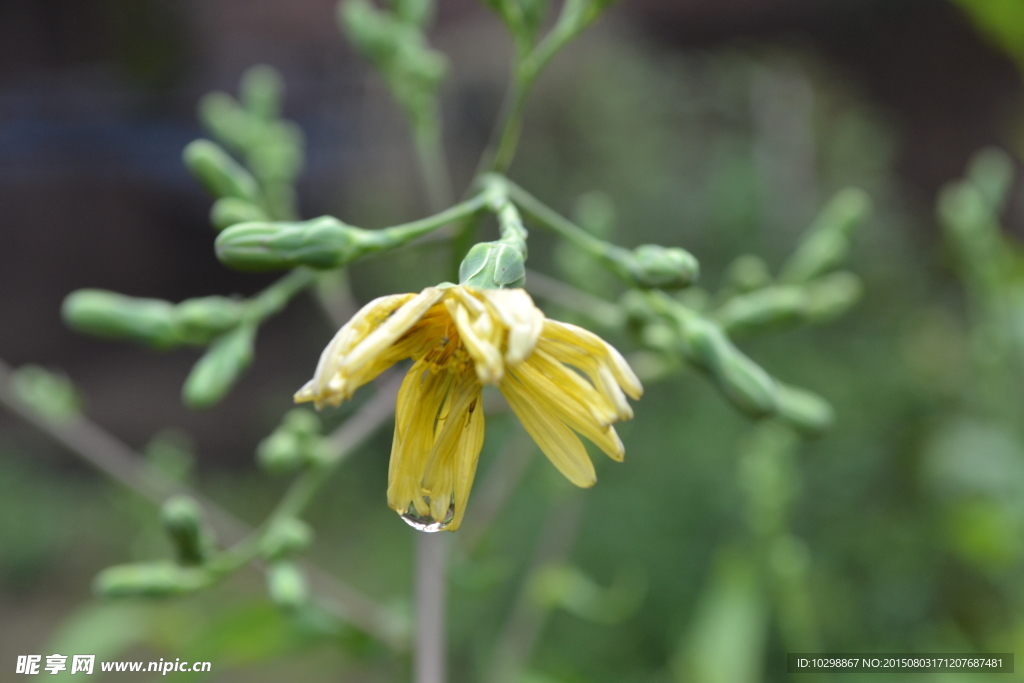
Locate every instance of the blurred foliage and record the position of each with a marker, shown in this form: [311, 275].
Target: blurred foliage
[717, 546]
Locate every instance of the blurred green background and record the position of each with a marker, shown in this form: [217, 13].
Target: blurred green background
[716, 547]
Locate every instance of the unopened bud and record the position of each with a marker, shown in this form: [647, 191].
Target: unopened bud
[831, 296]
[302, 422]
[149, 579]
[828, 240]
[749, 272]
[322, 243]
[228, 121]
[229, 211]
[281, 452]
[198, 321]
[286, 585]
[220, 367]
[221, 175]
[183, 519]
[763, 308]
[804, 411]
[285, 538]
[108, 314]
[991, 171]
[742, 380]
[493, 265]
[261, 90]
[652, 265]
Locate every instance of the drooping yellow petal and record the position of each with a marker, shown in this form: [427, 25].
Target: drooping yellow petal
[592, 345]
[440, 474]
[391, 330]
[566, 405]
[470, 443]
[420, 400]
[558, 442]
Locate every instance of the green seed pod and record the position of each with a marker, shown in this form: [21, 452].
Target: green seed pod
[199, 321]
[806, 412]
[220, 367]
[493, 265]
[831, 296]
[827, 242]
[651, 265]
[183, 520]
[281, 452]
[229, 211]
[286, 585]
[112, 315]
[285, 538]
[742, 380]
[261, 91]
[221, 175]
[762, 309]
[149, 579]
[322, 243]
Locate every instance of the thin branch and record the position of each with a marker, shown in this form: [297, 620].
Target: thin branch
[114, 458]
[431, 607]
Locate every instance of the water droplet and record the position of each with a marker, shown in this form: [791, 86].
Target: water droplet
[426, 522]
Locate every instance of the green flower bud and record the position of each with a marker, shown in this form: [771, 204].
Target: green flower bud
[322, 243]
[108, 314]
[493, 265]
[651, 265]
[183, 520]
[804, 411]
[149, 579]
[51, 394]
[285, 538]
[749, 272]
[742, 380]
[763, 308]
[198, 321]
[831, 296]
[302, 422]
[221, 175]
[227, 121]
[286, 585]
[281, 452]
[278, 154]
[416, 12]
[991, 171]
[228, 211]
[828, 240]
[220, 367]
[261, 90]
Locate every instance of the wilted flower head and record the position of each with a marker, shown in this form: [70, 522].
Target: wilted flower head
[559, 380]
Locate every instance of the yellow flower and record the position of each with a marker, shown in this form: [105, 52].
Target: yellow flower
[557, 378]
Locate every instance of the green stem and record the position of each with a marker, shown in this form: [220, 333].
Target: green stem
[504, 150]
[274, 298]
[396, 236]
[305, 487]
[611, 256]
